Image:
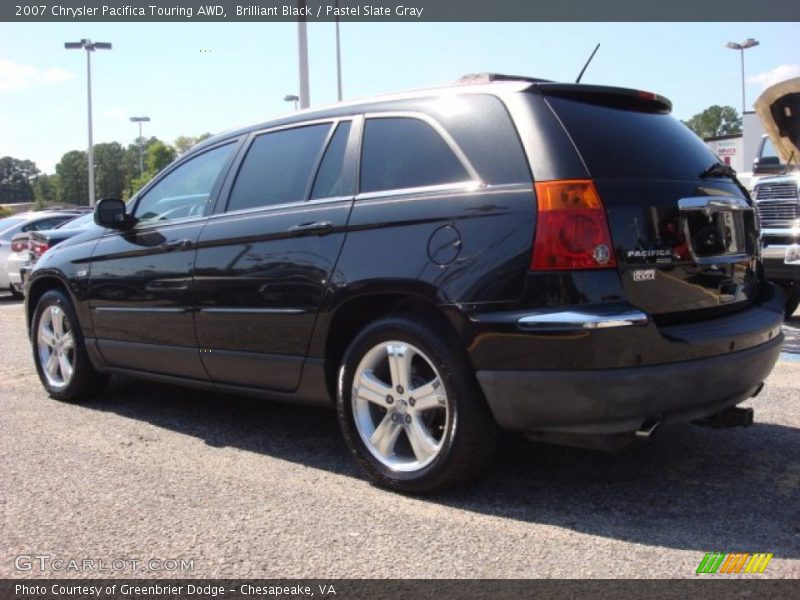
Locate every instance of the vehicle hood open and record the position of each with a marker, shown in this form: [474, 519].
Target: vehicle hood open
[778, 107]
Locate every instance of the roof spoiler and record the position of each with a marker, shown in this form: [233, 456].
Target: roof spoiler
[610, 96]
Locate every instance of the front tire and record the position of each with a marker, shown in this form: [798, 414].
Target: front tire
[410, 408]
[59, 351]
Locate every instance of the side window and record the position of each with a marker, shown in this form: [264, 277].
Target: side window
[404, 152]
[277, 167]
[330, 181]
[47, 223]
[186, 191]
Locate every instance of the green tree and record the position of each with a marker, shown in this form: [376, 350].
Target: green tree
[157, 156]
[16, 178]
[185, 142]
[109, 170]
[715, 121]
[46, 189]
[73, 177]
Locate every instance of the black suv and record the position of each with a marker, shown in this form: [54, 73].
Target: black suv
[567, 261]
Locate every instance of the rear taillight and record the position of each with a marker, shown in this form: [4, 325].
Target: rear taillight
[571, 227]
[19, 245]
[39, 248]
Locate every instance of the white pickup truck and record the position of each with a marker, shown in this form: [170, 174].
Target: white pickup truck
[777, 196]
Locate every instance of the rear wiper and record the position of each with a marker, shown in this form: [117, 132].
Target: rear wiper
[718, 169]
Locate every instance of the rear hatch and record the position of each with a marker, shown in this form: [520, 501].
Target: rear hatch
[685, 236]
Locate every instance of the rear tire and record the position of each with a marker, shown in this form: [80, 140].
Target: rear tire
[59, 351]
[410, 408]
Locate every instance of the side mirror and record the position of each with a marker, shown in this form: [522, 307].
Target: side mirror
[767, 164]
[110, 212]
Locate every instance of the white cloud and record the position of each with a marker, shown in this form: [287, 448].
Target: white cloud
[15, 76]
[773, 76]
[19, 76]
[55, 75]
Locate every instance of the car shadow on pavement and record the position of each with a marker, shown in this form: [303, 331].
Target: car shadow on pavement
[687, 488]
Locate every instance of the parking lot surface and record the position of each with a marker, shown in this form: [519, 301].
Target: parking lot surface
[246, 488]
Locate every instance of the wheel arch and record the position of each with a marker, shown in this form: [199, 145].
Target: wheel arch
[354, 313]
[39, 287]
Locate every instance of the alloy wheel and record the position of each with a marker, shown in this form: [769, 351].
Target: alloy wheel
[56, 347]
[400, 406]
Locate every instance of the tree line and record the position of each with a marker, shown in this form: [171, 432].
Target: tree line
[116, 170]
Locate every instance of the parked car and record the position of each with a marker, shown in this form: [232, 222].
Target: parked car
[778, 197]
[27, 247]
[23, 223]
[567, 261]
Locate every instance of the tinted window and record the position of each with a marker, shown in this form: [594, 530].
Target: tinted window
[405, 153]
[330, 180]
[79, 223]
[619, 143]
[186, 190]
[49, 223]
[278, 167]
[768, 149]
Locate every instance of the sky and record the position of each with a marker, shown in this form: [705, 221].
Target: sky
[190, 78]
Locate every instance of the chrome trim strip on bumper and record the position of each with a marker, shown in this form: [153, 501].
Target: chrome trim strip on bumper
[575, 320]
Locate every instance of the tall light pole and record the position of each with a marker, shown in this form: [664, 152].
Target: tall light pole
[140, 140]
[302, 55]
[338, 57]
[741, 47]
[90, 47]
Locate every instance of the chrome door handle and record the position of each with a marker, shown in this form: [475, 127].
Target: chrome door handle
[177, 245]
[317, 227]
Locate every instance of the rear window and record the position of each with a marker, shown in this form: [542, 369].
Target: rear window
[625, 144]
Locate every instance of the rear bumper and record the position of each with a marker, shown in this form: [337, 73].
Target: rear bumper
[609, 373]
[620, 400]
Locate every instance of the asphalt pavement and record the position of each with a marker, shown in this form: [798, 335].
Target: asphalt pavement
[206, 485]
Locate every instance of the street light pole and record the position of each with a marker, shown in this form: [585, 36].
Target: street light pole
[90, 47]
[302, 55]
[292, 98]
[338, 56]
[741, 47]
[140, 140]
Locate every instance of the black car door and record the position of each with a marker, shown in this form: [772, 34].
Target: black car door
[140, 279]
[264, 261]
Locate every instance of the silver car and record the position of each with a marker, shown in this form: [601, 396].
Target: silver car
[10, 226]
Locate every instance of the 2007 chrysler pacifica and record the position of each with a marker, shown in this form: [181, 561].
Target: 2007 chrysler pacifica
[563, 260]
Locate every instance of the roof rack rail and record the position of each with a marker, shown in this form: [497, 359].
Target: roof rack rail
[476, 78]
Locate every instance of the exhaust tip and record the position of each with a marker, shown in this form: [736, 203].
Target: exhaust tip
[647, 429]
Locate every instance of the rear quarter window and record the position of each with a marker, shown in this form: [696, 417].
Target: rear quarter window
[406, 152]
[627, 144]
